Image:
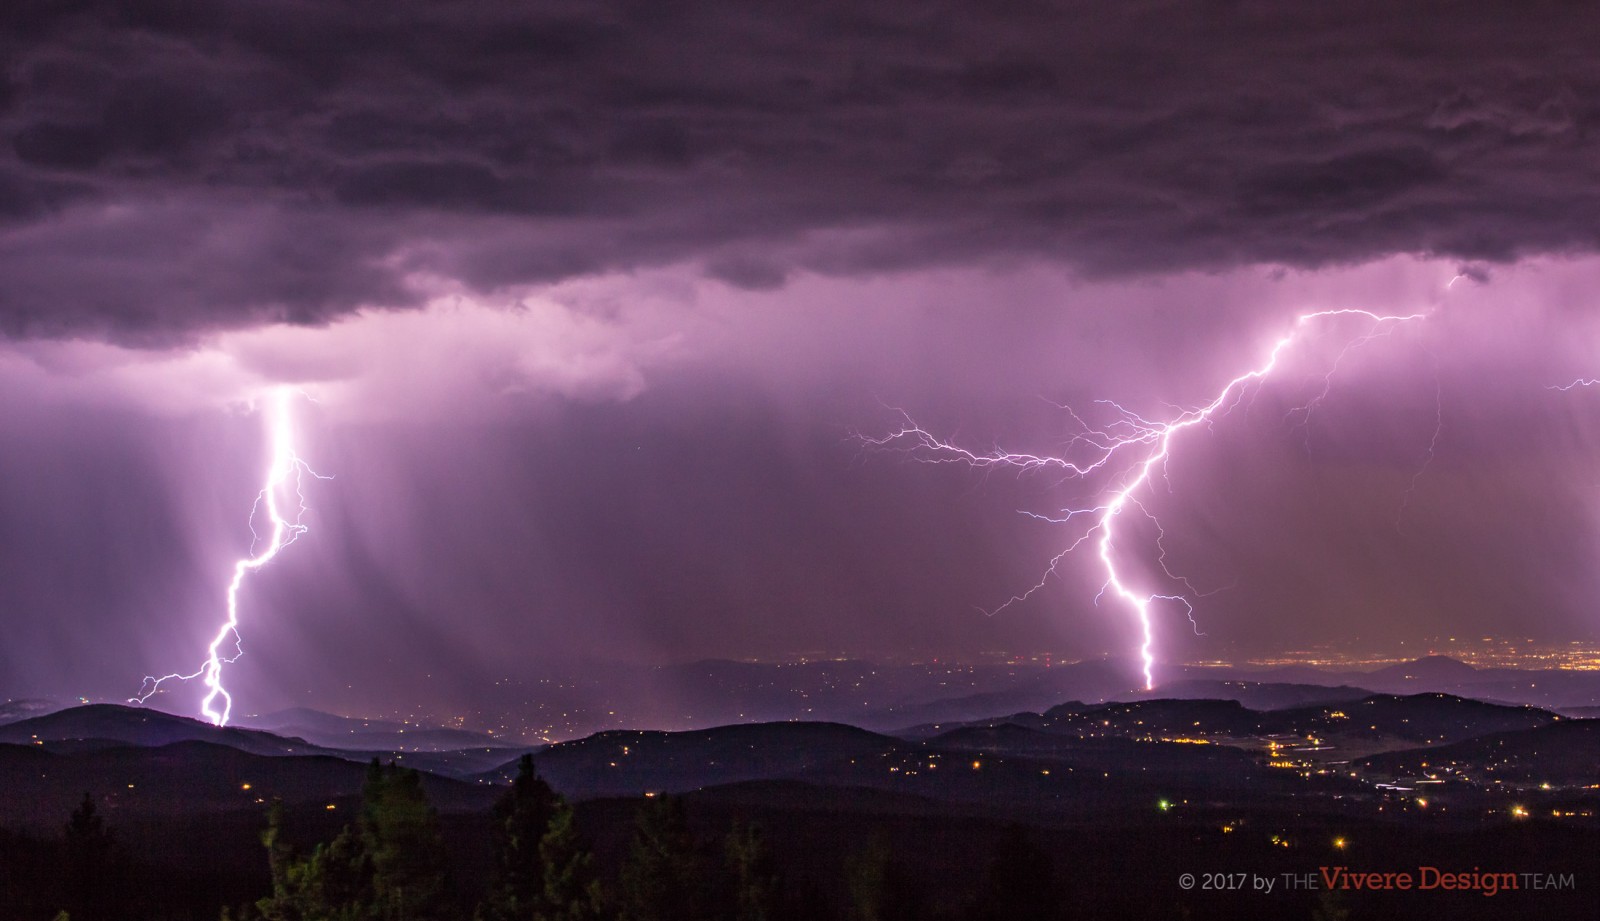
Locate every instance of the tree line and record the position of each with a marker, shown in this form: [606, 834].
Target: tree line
[391, 864]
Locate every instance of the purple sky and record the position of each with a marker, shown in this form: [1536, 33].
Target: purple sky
[593, 297]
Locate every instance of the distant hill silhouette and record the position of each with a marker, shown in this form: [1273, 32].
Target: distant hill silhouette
[96, 726]
[1260, 695]
[351, 733]
[1035, 689]
[1549, 688]
[569, 699]
[1126, 764]
[1390, 720]
[1428, 670]
[1005, 766]
[1215, 763]
[1566, 753]
[1430, 718]
[188, 777]
[142, 726]
[626, 763]
[1433, 718]
[1156, 717]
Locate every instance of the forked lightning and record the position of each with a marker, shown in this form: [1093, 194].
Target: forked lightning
[1150, 444]
[282, 501]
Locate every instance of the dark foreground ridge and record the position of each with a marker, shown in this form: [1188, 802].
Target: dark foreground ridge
[1110, 802]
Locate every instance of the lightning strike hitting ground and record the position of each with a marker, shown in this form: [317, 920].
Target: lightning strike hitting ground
[1150, 442]
[282, 488]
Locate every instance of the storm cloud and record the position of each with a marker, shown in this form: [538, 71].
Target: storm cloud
[179, 167]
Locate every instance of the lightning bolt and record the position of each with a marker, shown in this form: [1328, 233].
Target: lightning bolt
[282, 489]
[1150, 442]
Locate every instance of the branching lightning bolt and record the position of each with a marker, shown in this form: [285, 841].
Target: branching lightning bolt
[282, 490]
[1150, 442]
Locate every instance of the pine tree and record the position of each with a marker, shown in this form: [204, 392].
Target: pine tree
[571, 890]
[755, 879]
[399, 832]
[521, 819]
[281, 905]
[90, 867]
[665, 878]
[388, 868]
[332, 883]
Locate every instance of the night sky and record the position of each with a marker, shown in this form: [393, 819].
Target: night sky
[593, 304]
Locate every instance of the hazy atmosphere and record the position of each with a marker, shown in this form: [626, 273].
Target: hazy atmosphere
[593, 311]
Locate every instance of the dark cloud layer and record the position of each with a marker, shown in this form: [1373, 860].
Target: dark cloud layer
[176, 166]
